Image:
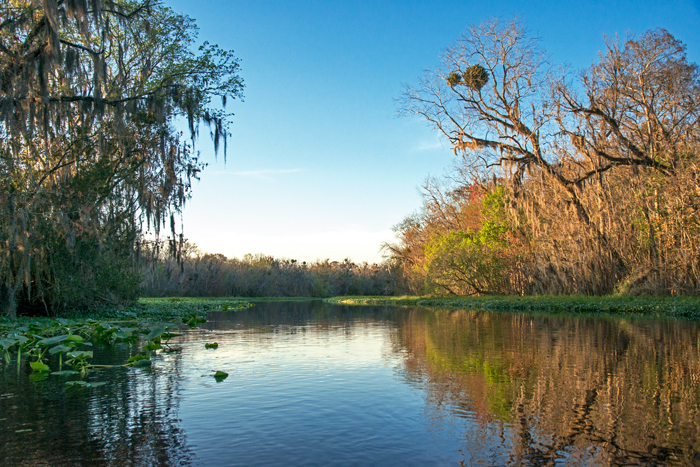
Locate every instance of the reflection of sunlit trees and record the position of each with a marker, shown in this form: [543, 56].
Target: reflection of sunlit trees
[603, 388]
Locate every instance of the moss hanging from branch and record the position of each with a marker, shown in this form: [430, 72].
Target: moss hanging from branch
[90, 156]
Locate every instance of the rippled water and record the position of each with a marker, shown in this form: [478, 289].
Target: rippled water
[315, 384]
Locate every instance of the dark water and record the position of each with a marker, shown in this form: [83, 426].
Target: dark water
[315, 384]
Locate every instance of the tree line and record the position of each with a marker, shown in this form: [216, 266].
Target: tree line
[198, 274]
[566, 182]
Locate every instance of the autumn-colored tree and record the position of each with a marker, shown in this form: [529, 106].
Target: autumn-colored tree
[90, 92]
[601, 172]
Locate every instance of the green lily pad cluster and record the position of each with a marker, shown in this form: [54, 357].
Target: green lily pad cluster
[71, 342]
[168, 308]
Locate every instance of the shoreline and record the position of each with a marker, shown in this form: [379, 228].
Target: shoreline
[682, 306]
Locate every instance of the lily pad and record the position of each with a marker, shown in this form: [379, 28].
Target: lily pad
[39, 366]
[156, 331]
[80, 354]
[54, 340]
[125, 333]
[219, 376]
[7, 343]
[152, 346]
[73, 384]
[213, 345]
[59, 348]
[137, 358]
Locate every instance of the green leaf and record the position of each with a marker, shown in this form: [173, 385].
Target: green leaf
[213, 345]
[80, 354]
[123, 335]
[220, 376]
[59, 348]
[156, 331]
[137, 358]
[152, 346]
[20, 338]
[39, 366]
[5, 344]
[169, 335]
[194, 321]
[76, 338]
[76, 384]
[54, 340]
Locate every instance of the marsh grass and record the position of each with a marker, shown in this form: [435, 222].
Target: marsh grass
[682, 306]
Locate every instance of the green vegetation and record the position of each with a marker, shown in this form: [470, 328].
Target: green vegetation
[219, 376]
[90, 156]
[50, 345]
[671, 306]
[196, 274]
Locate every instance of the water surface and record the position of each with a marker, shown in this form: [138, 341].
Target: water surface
[317, 384]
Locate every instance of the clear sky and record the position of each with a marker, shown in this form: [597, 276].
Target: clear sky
[319, 164]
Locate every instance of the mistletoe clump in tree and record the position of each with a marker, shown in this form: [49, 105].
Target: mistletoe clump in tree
[90, 159]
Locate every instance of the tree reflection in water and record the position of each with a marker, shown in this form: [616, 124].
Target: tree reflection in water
[315, 380]
[133, 420]
[548, 388]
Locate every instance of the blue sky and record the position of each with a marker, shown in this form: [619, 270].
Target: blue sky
[319, 164]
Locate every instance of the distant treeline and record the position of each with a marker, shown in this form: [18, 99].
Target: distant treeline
[196, 274]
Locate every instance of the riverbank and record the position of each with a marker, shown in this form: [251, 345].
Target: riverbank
[156, 309]
[671, 306]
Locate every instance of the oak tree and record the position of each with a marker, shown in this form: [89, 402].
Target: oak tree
[91, 93]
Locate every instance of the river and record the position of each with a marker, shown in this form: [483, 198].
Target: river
[312, 383]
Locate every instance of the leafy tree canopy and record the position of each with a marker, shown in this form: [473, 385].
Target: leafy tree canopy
[90, 159]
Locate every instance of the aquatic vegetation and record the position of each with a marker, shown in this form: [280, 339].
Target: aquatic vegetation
[52, 344]
[219, 376]
[83, 384]
[213, 345]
